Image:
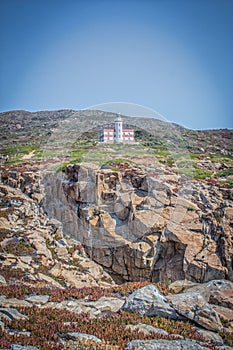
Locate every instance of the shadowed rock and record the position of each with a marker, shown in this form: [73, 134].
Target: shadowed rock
[149, 301]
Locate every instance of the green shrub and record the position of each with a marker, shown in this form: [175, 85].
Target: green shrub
[191, 209]
[118, 161]
[195, 173]
[225, 172]
[161, 154]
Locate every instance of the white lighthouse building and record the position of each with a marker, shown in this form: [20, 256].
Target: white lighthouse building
[117, 134]
[118, 129]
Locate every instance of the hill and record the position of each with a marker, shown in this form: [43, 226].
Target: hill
[22, 131]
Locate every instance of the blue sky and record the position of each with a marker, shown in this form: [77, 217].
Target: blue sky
[173, 56]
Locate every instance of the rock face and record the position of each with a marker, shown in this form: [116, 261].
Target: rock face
[32, 246]
[134, 224]
[138, 225]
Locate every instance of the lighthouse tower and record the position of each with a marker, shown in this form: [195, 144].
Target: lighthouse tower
[118, 129]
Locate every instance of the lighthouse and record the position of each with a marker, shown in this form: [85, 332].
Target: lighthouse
[117, 133]
[118, 129]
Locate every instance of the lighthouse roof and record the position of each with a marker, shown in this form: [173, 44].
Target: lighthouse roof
[119, 119]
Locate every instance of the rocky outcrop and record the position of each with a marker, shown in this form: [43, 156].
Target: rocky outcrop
[149, 301]
[32, 246]
[136, 225]
[140, 225]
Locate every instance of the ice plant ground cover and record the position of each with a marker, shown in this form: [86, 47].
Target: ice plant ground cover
[45, 327]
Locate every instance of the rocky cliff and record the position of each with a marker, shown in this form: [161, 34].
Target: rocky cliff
[138, 225]
[141, 225]
[65, 238]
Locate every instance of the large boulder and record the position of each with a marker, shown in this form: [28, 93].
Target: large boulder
[194, 307]
[149, 301]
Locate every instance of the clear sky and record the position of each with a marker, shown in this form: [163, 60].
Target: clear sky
[174, 56]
